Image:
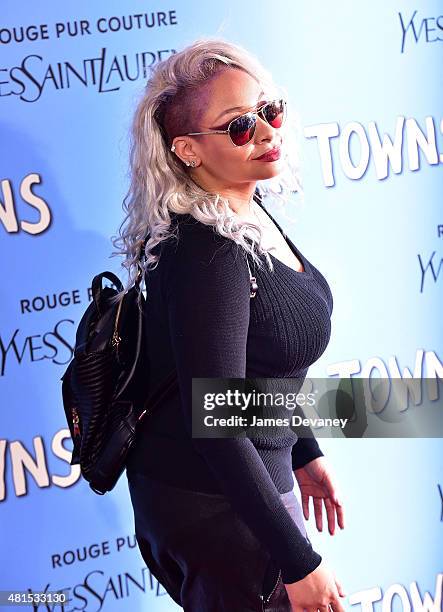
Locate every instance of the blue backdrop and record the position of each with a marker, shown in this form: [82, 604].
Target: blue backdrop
[366, 82]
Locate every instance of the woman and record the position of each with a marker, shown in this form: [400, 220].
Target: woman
[216, 519]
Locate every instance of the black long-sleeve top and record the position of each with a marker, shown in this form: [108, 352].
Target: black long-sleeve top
[200, 317]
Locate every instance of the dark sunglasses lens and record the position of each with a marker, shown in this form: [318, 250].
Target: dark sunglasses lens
[274, 113]
[242, 129]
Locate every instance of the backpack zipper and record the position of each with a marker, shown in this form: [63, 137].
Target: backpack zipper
[268, 598]
[75, 422]
[115, 341]
[170, 383]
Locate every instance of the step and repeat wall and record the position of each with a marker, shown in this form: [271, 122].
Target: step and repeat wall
[366, 82]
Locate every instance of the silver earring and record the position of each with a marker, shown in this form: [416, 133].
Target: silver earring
[193, 163]
[173, 148]
[187, 163]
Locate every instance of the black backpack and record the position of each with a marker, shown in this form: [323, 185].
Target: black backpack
[104, 388]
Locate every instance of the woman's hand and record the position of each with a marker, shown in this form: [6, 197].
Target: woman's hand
[317, 480]
[316, 591]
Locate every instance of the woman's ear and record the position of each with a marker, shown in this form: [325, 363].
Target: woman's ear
[184, 149]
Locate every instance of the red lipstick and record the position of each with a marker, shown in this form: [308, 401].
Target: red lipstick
[271, 155]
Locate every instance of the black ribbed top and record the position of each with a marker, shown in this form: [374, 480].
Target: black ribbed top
[200, 317]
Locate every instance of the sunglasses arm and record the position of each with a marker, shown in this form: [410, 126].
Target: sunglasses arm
[211, 132]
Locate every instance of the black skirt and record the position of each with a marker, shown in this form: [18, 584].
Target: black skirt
[202, 552]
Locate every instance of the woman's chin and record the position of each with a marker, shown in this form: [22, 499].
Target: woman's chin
[269, 169]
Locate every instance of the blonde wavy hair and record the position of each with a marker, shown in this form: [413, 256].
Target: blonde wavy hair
[160, 183]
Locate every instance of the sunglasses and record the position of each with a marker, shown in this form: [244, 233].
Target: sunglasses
[241, 130]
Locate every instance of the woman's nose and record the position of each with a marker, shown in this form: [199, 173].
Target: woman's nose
[263, 131]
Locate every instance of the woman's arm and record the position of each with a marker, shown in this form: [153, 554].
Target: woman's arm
[206, 288]
[304, 451]
[306, 448]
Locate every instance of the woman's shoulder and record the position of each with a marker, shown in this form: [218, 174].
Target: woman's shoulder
[196, 253]
[187, 223]
[196, 257]
[191, 237]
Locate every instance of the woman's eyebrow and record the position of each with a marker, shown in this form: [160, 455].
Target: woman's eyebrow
[235, 108]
